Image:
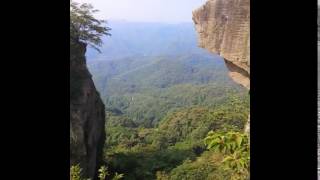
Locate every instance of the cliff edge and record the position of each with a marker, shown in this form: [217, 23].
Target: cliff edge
[223, 28]
[87, 114]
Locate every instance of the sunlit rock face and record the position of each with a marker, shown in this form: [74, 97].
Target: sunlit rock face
[223, 28]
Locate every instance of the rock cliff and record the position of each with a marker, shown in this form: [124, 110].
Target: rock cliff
[87, 114]
[223, 28]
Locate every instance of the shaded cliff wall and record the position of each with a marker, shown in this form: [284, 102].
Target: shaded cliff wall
[87, 114]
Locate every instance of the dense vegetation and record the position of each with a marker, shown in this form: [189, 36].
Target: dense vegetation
[175, 148]
[162, 103]
[235, 147]
[147, 88]
[76, 173]
[172, 112]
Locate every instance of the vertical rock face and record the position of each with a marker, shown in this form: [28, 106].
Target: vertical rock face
[223, 28]
[87, 114]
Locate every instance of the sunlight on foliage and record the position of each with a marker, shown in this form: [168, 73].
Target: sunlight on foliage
[103, 172]
[235, 147]
[117, 176]
[76, 173]
[84, 27]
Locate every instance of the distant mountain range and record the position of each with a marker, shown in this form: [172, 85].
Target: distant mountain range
[146, 39]
[136, 72]
[146, 70]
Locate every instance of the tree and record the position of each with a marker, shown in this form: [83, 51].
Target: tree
[84, 27]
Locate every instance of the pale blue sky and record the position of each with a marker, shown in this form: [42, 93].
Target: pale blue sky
[170, 11]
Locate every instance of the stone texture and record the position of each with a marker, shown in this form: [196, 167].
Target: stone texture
[223, 28]
[87, 114]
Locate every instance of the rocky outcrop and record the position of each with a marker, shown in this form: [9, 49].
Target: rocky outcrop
[87, 114]
[223, 28]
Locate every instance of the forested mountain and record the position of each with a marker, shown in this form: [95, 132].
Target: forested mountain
[174, 149]
[156, 106]
[163, 95]
[130, 74]
[152, 75]
[146, 88]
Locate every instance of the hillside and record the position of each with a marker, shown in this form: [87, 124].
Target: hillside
[157, 72]
[147, 77]
[163, 95]
[174, 149]
[152, 104]
[147, 88]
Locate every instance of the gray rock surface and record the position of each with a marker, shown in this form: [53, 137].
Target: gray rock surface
[87, 114]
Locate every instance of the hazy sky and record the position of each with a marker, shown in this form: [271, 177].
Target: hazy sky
[170, 11]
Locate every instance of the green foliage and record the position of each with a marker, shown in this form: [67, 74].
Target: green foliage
[229, 159]
[76, 173]
[103, 172]
[150, 153]
[84, 27]
[202, 168]
[147, 88]
[159, 110]
[235, 147]
[142, 162]
[149, 107]
[190, 124]
[117, 176]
